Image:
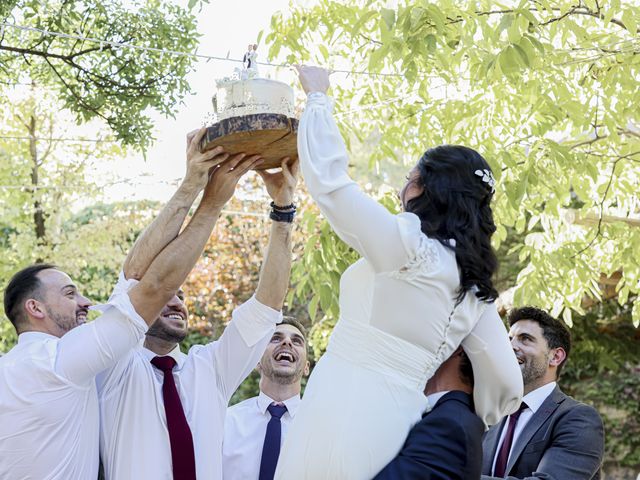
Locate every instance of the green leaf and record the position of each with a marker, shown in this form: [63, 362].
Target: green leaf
[389, 17]
[324, 51]
[509, 60]
[523, 55]
[629, 20]
[313, 307]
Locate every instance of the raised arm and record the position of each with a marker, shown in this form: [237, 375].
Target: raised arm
[276, 266]
[498, 381]
[242, 343]
[166, 225]
[170, 268]
[101, 343]
[358, 219]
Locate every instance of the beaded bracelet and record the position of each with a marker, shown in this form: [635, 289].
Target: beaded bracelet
[279, 216]
[286, 208]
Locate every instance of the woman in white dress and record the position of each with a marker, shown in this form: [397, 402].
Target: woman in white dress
[422, 287]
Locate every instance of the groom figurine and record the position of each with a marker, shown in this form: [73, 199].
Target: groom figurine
[250, 57]
[447, 443]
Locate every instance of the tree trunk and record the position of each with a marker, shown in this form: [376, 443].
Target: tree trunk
[38, 214]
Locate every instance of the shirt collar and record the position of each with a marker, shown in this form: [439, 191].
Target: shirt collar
[31, 337]
[176, 354]
[292, 404]
[434, 397]
[535, 398]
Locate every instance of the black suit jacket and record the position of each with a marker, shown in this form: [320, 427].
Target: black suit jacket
[445, 445]
[563, 440]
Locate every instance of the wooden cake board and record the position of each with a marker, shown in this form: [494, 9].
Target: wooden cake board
[270, 135]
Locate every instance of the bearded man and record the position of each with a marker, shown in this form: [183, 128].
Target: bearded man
[551, 436]
[255, 428]
[161, 410]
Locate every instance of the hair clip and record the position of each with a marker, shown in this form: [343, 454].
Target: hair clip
[487, 177]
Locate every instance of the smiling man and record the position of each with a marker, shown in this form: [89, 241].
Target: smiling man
[49, 418]
[551, 436]
[162, 411]
[255, 428]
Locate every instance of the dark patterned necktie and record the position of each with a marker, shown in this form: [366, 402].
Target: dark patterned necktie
[503, 456]
[182, 456]
[272, 439]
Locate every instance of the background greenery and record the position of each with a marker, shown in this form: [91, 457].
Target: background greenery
[546, 91]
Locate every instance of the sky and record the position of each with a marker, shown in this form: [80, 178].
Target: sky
[226, 26]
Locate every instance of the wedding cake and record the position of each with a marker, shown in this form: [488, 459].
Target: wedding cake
[253, 115]
[239, 97]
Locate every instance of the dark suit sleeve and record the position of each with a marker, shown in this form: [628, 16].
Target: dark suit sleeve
[436, 449]
[576, 449]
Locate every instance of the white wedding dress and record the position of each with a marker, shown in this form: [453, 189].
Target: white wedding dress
[397, 325]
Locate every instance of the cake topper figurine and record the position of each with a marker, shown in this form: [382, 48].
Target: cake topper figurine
[250, 62]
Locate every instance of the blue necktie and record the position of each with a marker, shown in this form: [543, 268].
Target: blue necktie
[271, 447]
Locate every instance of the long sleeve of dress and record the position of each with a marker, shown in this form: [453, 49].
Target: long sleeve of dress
[498, 386]
[359, 220]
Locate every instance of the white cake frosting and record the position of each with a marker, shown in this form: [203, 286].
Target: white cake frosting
[256, 95]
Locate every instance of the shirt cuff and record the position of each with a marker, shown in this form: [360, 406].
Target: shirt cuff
[120, 300]
[320, 99]
[254, 320]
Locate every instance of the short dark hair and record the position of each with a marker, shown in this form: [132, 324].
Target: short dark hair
[554, 331]
[22, 285]
[286, 320]
[466, 370]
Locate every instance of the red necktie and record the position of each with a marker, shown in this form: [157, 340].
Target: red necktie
[503, 456]
[182, 456]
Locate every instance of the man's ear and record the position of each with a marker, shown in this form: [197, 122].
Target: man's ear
[307, 366]
[34, 308]
[259, 368]
[558, 356]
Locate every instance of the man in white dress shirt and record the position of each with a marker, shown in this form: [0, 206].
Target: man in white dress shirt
[552, 436]
[255, 428]
[48, 401]
[142, 435]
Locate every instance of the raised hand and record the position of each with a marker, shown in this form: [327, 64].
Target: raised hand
[313, 79]
[281, 185]
[200, 163]
[224, 178]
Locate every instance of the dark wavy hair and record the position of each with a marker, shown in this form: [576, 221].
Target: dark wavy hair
[455, 204]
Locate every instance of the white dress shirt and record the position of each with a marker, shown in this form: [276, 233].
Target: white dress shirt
[534, 400]
[244, 432]
[48, 401]
[434, 397]
[134, 440]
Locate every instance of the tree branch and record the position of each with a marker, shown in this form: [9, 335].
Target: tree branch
[588, 142]
[369, 39]
[601, 208]
[89, 50]
[588, 12]
[29, 51]
[80, 100]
